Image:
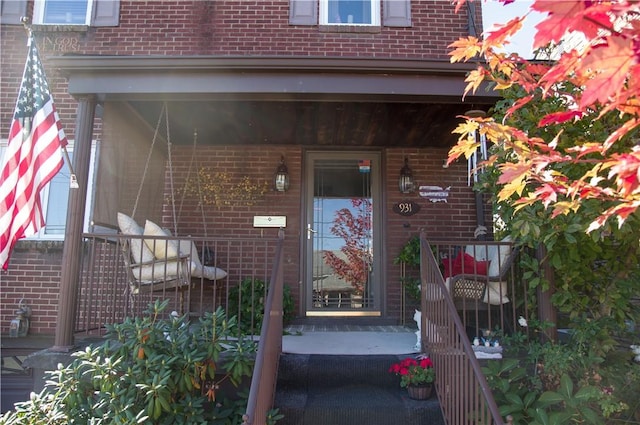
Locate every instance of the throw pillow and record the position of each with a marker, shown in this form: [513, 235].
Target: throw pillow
[140, 253]
[464, 263]
[162, 249]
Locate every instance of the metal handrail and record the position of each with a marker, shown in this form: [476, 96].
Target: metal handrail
[462, 389]
[265, 370]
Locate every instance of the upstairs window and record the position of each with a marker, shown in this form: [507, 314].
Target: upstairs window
[65, 12]
[95, 13]
[350, 12]
[395, 13]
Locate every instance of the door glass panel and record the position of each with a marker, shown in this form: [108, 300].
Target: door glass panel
[341, 236]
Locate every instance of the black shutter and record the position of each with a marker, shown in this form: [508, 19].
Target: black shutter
[396, 13]
[303, 12]
[106, 13]
[11, 11]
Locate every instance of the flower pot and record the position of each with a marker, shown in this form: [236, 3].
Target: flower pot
[420, 392]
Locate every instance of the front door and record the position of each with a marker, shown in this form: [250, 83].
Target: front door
[342, 234]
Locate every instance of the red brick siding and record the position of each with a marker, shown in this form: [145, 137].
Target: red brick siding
[454, 219]
[35, 276]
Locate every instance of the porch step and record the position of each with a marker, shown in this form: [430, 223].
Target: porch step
[316, 389]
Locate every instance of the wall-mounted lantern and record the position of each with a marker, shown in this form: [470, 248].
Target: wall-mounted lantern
[405, 183]
[20, 325]
[281, 180]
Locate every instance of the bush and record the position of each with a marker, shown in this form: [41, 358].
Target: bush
[585, 380]
[149, 370]
[250, 296]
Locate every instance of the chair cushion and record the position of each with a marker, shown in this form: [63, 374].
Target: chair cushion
[496, 293]
[161, 249]
[140, 253]
[157, 271]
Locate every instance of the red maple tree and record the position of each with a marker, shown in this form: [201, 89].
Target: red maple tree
[355, 229]
[599, 75]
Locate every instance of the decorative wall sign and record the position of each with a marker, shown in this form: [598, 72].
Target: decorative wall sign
[434, 193]
[406, 208]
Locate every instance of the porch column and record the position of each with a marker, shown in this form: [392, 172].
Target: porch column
[67, 300]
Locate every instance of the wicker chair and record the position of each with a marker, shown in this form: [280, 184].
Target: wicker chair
[482, 276]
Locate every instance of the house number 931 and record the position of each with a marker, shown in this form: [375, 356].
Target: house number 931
[406, 208]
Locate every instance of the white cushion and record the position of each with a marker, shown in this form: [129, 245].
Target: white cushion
[433, 291]
[139, 251]
[161, 248]
[188, 247]
[495, 254]
[496, 293]
[207, 272]
[158, 271]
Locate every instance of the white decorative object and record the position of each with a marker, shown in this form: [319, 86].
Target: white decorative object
[636, 351]
[417, 316]
[522, 322]
[476, 342]
[434, 193]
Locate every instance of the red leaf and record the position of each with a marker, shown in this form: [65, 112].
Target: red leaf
[559, 117]
[612, 63]
[566, 16]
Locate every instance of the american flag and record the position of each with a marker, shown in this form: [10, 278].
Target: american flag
[32, 158]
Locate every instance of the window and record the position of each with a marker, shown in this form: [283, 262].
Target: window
[350, 12]
[395, 13]
[63, 12]
[55, 198]
[76, 12]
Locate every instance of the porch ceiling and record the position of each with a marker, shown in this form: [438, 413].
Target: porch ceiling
[285, 100]
[335, 123]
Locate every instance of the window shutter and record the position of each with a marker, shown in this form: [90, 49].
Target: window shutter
[11, 11]
[396, 13]
[303, 12]
[106, 13]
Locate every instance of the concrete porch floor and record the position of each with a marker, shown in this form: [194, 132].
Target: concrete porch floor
[298, 339]
[349, 339]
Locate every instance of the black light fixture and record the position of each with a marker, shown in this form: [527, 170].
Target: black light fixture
[281, 180]
[405, 183]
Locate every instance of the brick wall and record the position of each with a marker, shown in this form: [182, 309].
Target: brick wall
[34, 275]
[34, 271]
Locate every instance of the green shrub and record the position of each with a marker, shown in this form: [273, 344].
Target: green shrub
[585, 380]
[246, 301]
[149, 370]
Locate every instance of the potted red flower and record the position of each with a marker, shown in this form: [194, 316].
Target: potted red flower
[417, 375]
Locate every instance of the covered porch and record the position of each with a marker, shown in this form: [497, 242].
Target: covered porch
[255, 113]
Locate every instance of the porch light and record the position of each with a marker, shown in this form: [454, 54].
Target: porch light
[405, 183]
[281, 181]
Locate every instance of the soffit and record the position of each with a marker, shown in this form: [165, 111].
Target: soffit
[312, 101]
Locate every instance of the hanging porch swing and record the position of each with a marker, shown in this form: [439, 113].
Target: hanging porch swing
[157, 260]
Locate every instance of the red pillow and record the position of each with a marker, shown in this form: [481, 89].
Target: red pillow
[471, 266]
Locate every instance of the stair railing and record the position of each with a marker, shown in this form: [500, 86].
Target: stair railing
[265, 370]
[462, 389]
